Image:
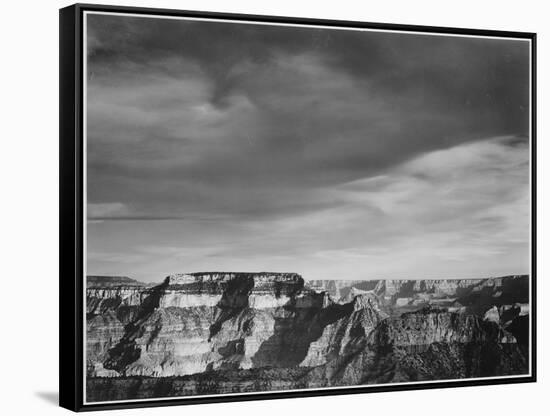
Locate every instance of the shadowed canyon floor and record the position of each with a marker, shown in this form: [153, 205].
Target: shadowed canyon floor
[216, 333]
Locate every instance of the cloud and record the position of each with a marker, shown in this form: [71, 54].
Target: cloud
[460, 212]
[296, 146]
[179, 111]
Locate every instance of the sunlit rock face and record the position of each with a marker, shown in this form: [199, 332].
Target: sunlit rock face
[199, 322]
[343, 336]
[105, 293]
[214, 331]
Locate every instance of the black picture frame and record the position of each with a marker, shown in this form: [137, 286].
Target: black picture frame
[71, 256]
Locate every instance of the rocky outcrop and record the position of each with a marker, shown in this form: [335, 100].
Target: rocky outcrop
[112, 302]
[426, 345]
[492, 315]
[345, 335]
[108, 293]
[218, 331]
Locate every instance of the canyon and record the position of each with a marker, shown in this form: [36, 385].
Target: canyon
[224, 332]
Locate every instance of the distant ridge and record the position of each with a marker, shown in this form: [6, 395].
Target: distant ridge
[106, 281]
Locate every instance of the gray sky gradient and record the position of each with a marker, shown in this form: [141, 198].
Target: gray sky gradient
[334, 154]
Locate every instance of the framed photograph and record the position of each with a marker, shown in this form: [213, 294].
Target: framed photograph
[258, 207]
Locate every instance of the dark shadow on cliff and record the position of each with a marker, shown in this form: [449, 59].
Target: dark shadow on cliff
[294, 331]
[383, 360]
[126, 351]
[481, 297]
[233, 301]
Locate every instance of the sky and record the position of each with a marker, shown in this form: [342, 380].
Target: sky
[336, 154]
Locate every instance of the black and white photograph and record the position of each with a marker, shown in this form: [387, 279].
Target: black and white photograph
[275, 208]
[281, 207]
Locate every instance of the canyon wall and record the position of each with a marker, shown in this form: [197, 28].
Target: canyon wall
[237, 328]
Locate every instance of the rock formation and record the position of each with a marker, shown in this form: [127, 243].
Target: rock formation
[208, 333]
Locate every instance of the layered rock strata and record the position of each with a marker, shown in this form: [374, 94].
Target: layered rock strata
[217, 332]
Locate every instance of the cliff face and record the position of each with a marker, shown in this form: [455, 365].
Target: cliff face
[209, 332]
[199, 322]
[426, 345]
